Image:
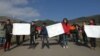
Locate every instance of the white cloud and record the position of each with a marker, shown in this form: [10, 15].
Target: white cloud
[18, 2]
[8, 8]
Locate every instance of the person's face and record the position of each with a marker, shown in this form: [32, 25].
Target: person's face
[91, 21]
[43, 25]
[65, 21]
[32, 23]
[7, 22]
[77, 26]
[84, 23]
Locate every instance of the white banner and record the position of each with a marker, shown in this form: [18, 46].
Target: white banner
[21, 29]
[92, 31]
[54, 30]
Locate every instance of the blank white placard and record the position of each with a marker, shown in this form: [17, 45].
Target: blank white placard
[21, 29]
[92, 31]
[54, 30]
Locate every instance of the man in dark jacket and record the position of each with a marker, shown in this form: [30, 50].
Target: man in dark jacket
[8, 28]
[32, 36]
[44, 36]
[92, 40]
[85, 39]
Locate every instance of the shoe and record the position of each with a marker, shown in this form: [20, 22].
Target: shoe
[5, 50]
[64, 47]
[9, 49]
[92, 48]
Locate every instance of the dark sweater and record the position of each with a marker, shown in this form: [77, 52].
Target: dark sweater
[8, 28]
[44, 31]
[33, 29]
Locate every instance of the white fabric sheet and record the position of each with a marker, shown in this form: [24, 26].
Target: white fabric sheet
[54, 30]
[21, 29]
[92, 31]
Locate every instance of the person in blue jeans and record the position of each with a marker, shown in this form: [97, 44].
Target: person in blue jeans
[66, 27]
[44, 34]
[2, 40]
[65, 39]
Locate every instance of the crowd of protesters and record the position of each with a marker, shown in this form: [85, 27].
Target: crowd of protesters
[74, 32]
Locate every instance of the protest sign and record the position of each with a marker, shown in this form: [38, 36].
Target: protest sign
[21, 29]
[92, 31]
[54, 30]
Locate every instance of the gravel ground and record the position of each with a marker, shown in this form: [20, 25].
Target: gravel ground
[55, 50]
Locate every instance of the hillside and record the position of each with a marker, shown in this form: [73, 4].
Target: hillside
[48, 22]
[38, 22]
[79, 20]
[4, 18]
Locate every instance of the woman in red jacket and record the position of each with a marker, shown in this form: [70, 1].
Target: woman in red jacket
[66, 27]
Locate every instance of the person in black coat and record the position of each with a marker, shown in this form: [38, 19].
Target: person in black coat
[8, 29]
[92, 40]
[75, 34]
[85, 39]
[32, 35]
[44, 35]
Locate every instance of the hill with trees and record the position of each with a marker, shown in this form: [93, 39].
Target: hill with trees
[4, 18]
[49, 22]
[81, 19]
[38, 22]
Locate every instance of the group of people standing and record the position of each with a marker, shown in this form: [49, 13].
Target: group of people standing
[69, 33]
[33, 36]
[77, 34]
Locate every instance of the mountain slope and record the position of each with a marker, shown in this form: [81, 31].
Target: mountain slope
[81, 19]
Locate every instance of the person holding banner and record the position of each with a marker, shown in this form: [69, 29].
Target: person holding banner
[32, 35]
[8, 28]
[72, 32]
[66, 27]
[44, 35]
[76, 34]
[92, 40]
[85, 39]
